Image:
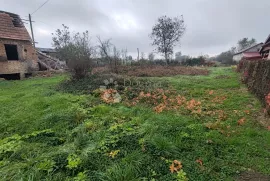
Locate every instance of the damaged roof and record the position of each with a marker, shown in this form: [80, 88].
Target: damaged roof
[12, 27]
[251, 55]
[47, 50]
[259, 45]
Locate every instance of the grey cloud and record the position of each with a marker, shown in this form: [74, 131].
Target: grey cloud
[212, 26]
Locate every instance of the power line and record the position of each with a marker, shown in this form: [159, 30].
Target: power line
[38, 21]
[40, 7]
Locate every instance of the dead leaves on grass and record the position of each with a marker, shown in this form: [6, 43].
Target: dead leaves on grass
[110, 96]
[211, 92]
[175, 166]
[247, 111]
[219, 99]
[241, 121]
[164, 100]
[193, 105]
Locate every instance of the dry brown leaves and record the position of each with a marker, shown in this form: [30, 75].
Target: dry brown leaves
[175, 166]
[241, 121]
[110, 96]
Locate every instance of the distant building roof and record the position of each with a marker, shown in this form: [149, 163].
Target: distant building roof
[47, 50]
[259, 45]
[12, 27]
[267, 39]
[266, 45]
[251, 55]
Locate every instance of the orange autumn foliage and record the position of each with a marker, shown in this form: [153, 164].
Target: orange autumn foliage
[110, 96]
[247, 111]
[175, 166]
[240, 122]
[192, 104]
[221, 115]
[164, 100]
[210, 92]
[159, 108]
[219, 99]
[180, 100]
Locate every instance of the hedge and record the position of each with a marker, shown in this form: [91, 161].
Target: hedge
[256, 75]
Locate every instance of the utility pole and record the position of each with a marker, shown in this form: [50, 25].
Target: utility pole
[33, 38]
[138, 58]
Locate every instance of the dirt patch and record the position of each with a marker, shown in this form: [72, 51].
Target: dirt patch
[252, 176]
[155, 71]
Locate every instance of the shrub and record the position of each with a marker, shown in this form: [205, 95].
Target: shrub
[75, 50]
[195, 61]
[256, 74]
[88, 84]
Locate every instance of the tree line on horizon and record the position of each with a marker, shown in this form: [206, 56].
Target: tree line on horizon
[81, 54]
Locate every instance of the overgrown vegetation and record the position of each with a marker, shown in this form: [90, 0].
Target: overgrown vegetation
[75, 49]
[154, 71]
[213, 134]
[256, 74]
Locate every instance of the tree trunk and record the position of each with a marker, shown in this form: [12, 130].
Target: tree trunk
[166, 58]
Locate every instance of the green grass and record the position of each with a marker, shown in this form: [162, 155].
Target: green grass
[46, 134]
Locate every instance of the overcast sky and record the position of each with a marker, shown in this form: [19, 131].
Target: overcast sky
[213, 26]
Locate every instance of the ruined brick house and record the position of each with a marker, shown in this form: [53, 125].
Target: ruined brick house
[17, 55]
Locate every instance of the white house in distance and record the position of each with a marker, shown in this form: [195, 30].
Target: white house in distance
[250, 53]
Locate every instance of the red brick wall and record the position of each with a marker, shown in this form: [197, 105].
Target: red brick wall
[27, 58]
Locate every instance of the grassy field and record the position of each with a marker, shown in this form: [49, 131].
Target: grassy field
[47, 134]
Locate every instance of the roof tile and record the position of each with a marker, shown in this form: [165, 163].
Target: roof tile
[9, 31]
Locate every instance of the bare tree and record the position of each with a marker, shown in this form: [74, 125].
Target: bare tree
[116, 59]
[130, 58]
[151, 56]
[124, 56]
[178, 56]
[105, 48]
[110, 53]
[166, 34]
[142, 55]
[76, 50]
[245, 43]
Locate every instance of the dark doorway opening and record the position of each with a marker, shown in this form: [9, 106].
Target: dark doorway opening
[10, 76]
[12, 52]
